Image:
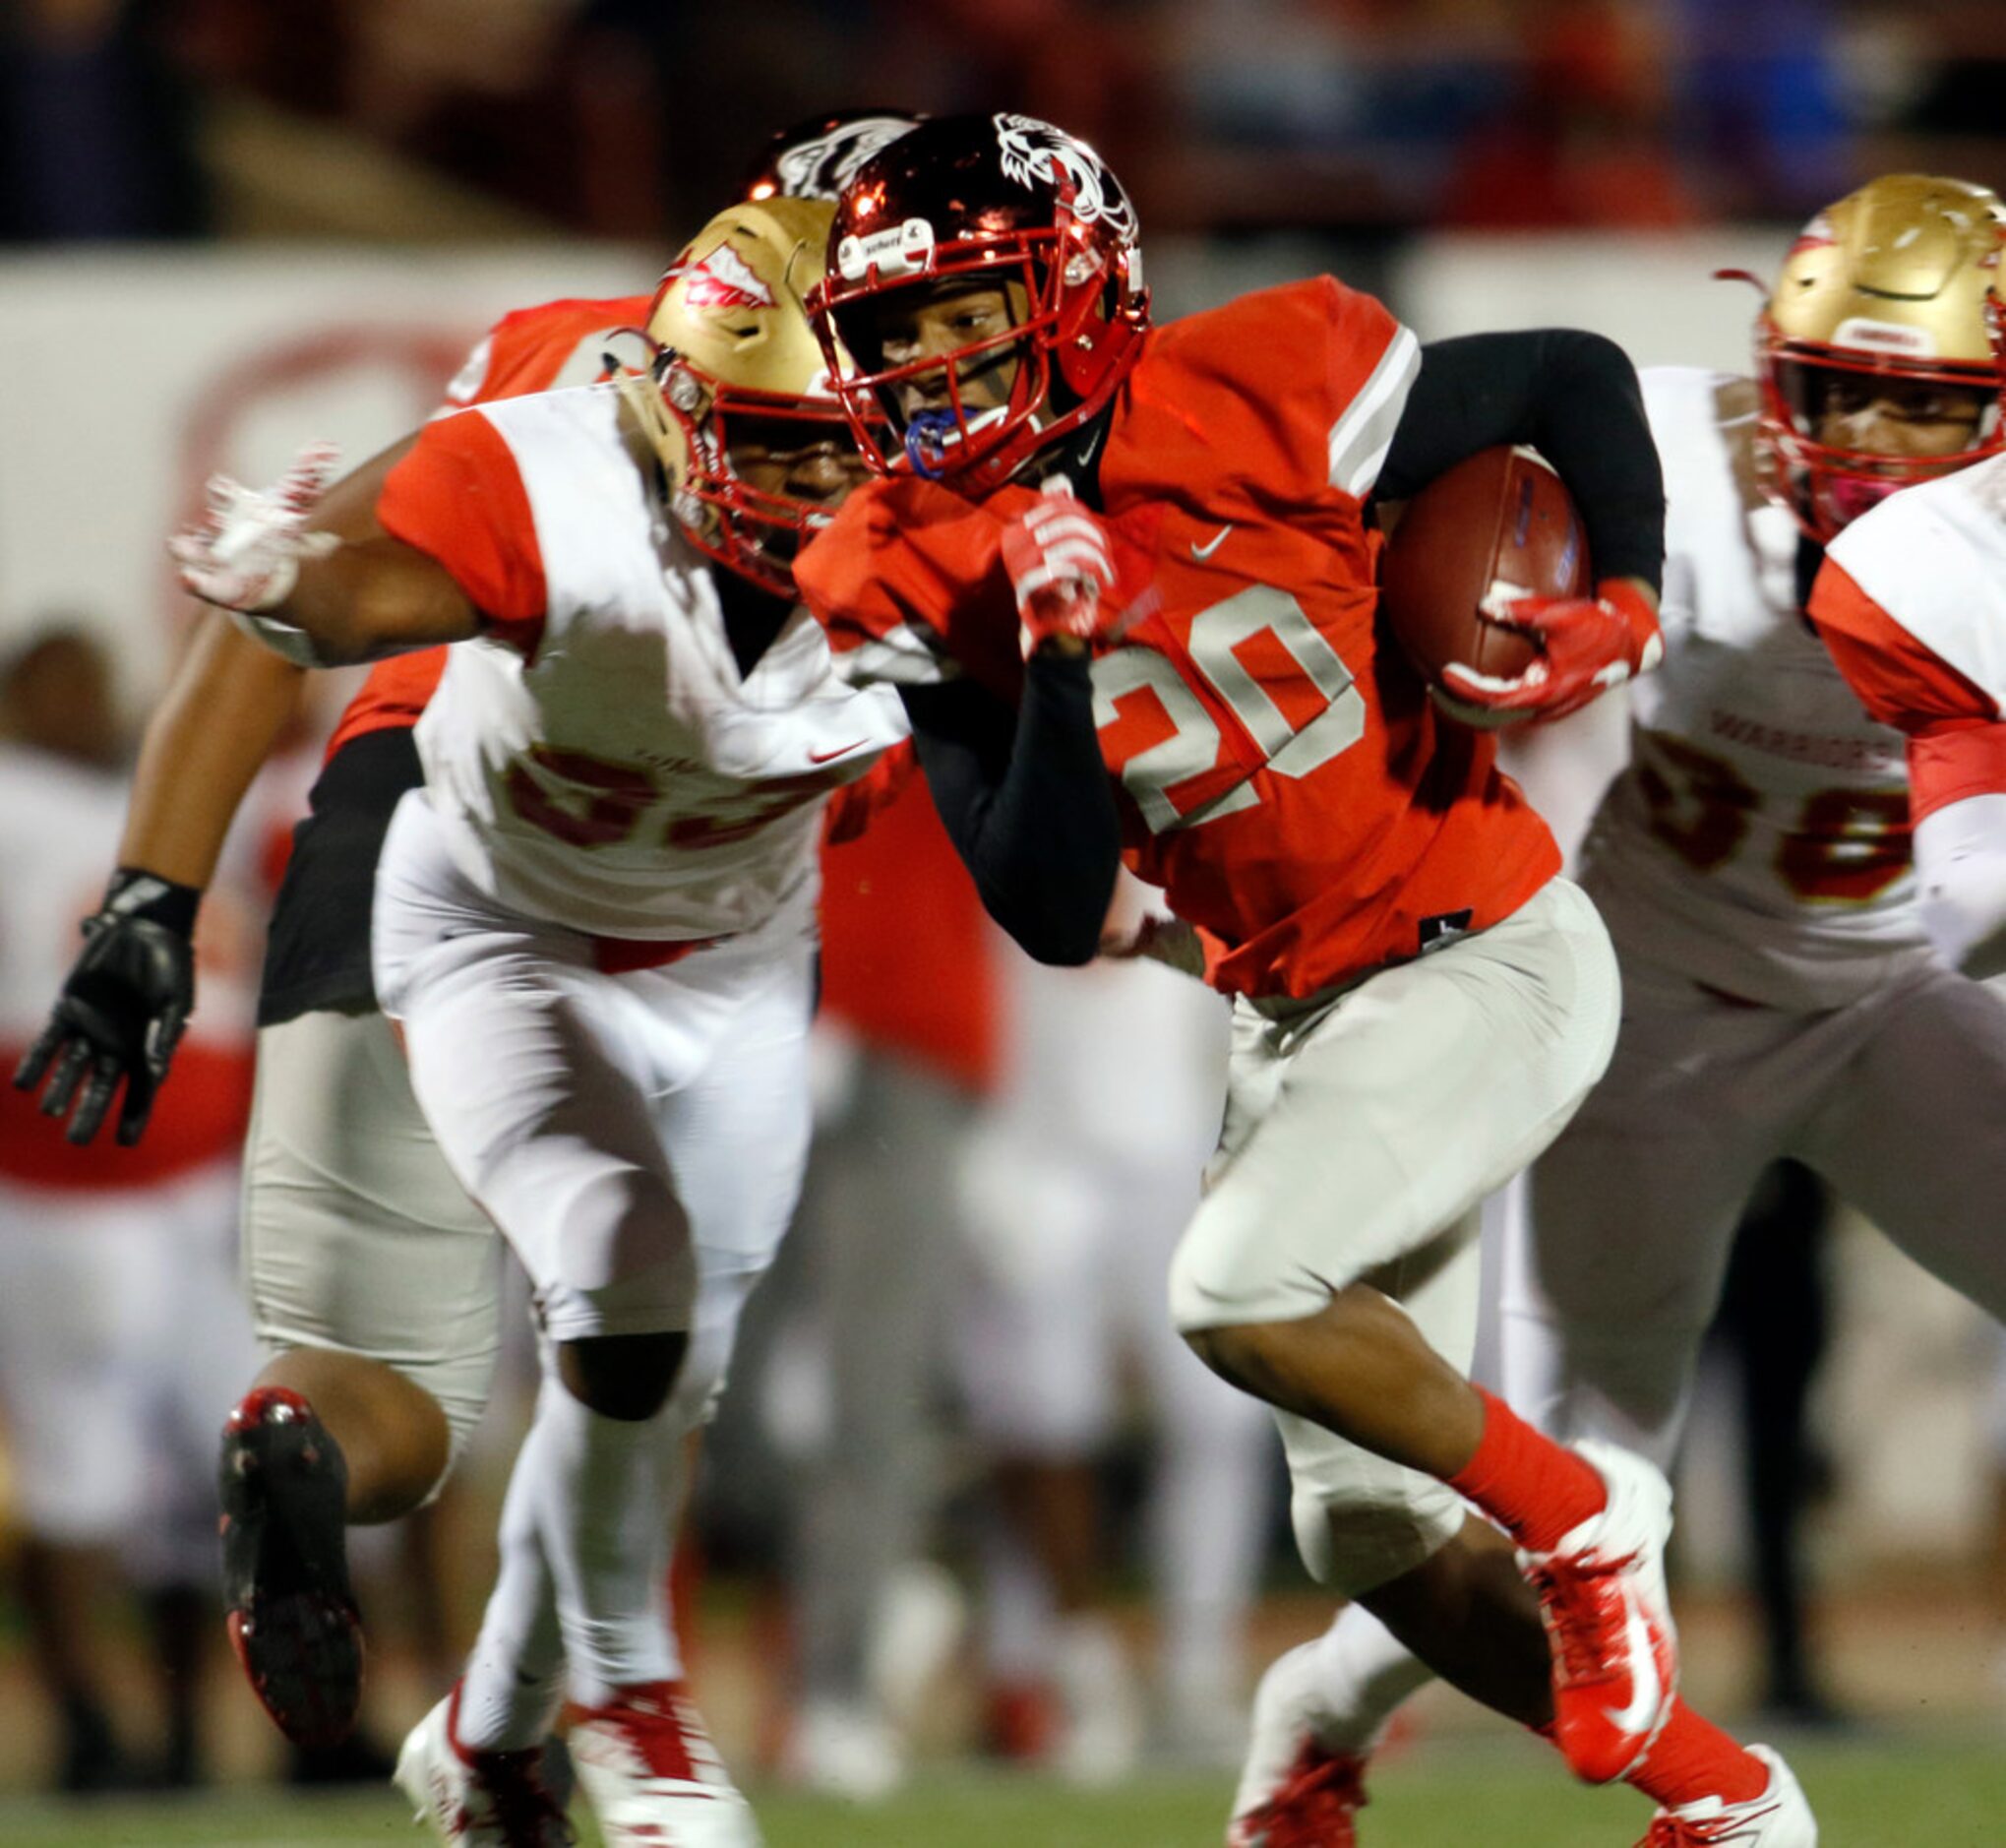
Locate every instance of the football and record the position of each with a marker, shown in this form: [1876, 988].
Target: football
[1497, 527]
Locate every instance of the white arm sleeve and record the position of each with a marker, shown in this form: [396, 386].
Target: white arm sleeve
[1961, 869]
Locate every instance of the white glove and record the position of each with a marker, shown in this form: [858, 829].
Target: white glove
[245, 555]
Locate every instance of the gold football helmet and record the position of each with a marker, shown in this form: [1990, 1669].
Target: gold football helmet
[1894, 287]
[734, 355]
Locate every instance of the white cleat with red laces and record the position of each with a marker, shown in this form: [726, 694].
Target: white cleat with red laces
[652, 1776]
[474, 1799]
[1295, 1791]
[1777, 1819]
[1602, 1596]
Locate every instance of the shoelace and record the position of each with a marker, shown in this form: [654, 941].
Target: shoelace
[1323, 1792]
[1671, 1831]
[1576, 1597]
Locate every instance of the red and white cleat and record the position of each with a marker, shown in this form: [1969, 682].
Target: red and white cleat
[652, 1776]
[1777, 1819]
[291, 1616]
[1602, 1596]
[474, 1799]
[1295, 1790]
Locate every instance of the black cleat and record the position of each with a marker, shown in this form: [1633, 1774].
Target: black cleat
[292, 1614]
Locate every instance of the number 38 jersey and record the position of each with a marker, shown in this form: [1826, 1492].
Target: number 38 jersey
[1285, 776]
[1758, 840]
[598, 758]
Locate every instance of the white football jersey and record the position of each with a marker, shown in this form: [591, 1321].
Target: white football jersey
[1758, 840]
[627, 779]
[1957, 607]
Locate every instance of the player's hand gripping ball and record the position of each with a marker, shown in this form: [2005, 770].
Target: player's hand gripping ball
[1484, 584]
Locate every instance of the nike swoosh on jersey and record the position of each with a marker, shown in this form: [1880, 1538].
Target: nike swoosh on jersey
[844, 750]
[1645, 1691]
[1202, 552]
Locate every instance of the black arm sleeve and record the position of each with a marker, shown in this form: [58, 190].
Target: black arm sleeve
[1574, 398]
[1025, 799]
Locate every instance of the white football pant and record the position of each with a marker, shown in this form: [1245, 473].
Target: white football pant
[1363, 1131]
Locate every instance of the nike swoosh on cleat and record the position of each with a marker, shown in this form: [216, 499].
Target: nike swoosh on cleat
[1204, 552]
[842, 750]
[1645, 1691]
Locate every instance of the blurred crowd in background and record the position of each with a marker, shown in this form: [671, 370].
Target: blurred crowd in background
[961, 1384]
[177, 118]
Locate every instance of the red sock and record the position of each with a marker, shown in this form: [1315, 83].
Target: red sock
[1532, 1487]
[1694, 1758]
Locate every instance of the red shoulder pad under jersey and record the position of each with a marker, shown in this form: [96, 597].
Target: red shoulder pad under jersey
[1282, 394]
[1956, 744]
[538, 349]
[459, 497]
[904, 562]
[393, 698]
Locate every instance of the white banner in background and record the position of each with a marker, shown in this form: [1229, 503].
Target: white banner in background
[128, 379]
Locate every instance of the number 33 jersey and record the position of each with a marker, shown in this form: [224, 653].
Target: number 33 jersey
[1284, 774]
[1758, 840]
[598, 758]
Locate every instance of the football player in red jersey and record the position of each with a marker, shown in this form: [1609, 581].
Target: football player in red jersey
[1781, 994]
[1124, 578]
[374, 1279]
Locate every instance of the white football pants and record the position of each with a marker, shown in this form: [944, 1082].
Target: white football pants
[1363, 1131]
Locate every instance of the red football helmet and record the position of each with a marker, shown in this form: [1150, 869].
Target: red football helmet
[816, 158]
[1892, 289]
[983, 202]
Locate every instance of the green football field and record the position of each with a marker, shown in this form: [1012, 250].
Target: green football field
[1887, 1795]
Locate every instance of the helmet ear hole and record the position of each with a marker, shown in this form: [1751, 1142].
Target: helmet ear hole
[681, 388]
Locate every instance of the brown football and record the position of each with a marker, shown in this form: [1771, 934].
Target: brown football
[1495, 526]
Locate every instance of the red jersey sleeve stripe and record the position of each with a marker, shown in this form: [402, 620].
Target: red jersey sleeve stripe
[459, 497]
[1898, 681]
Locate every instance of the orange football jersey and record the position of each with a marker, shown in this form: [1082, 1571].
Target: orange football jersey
[534, 349]
[1285, 776]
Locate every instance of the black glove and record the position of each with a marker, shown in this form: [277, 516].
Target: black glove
[122, 1008]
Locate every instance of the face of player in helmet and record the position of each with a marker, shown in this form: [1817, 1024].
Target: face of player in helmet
[786, 462]
[1915, 418]
[1864, 432]
[976, 324]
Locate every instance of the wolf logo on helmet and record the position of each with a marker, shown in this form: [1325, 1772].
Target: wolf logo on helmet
[821, 168]
[816, 157]
[1035, 154]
